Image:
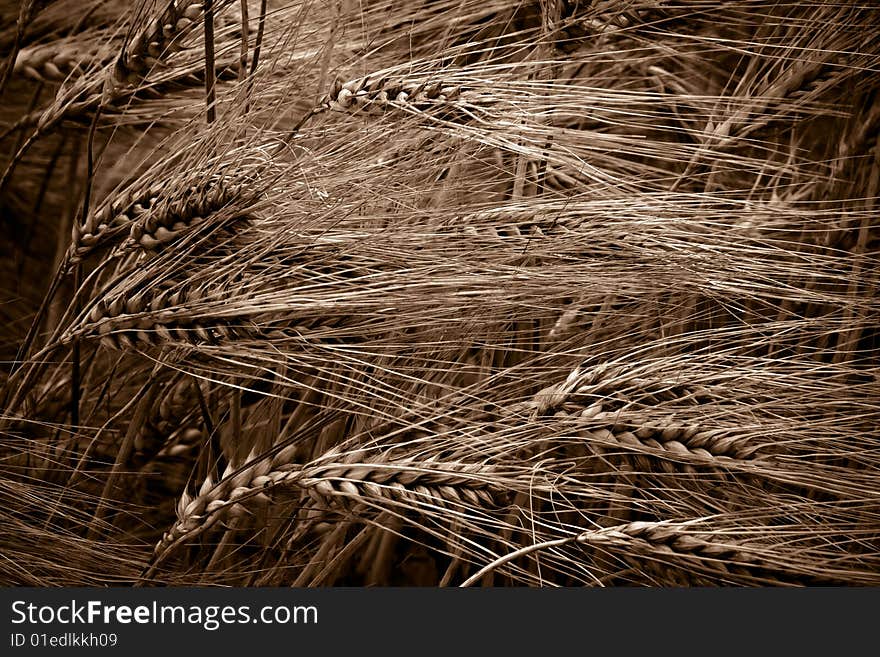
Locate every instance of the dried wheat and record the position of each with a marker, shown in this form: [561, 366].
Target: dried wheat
[354, 475]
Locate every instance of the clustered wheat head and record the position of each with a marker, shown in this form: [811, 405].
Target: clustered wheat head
[440, 293]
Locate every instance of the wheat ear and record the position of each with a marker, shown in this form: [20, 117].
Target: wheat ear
[55, 62]
[150, 217]
[354, 475]
[682, 542]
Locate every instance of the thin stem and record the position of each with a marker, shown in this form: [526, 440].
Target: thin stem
[500, 561]
[25, 14]
[260, 29]
[243, 57]
[75, 361]
[210, 73]
[77, 275]
[144, 400]
[256, 60]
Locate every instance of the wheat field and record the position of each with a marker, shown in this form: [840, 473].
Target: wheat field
[439, 293]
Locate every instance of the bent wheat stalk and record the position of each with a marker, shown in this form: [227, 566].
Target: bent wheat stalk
[352, 475]
[160, 37]
[671, 542]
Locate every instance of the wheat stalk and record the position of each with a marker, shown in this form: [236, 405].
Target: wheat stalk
[57, 62]
[335, 474]
[160, 37]
[155, 214]
[596, 271]
[671, 542]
